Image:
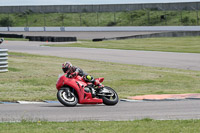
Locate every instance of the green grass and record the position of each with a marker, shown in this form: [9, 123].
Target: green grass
[33, 77]
[131, 18]
[168, 44]
[15, 39]
[137, 126]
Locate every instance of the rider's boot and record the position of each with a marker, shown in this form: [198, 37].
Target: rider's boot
[99, 86]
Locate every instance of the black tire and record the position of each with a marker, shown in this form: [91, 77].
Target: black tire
[110, 100]
[69, 101]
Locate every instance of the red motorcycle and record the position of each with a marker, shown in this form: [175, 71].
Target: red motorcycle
[75, 90]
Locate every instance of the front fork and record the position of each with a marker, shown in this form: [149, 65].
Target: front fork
[68, 92]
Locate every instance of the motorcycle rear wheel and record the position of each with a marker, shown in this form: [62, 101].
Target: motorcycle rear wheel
[67, 97]
[110, 100]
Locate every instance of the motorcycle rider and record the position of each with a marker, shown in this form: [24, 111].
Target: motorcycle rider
[73, 71]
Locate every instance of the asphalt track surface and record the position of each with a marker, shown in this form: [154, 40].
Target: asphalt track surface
[188, 61]
[162, 110]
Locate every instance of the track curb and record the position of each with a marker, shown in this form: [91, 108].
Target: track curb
[29, 102]
[121, 100]
[167, 97]
[157, 100]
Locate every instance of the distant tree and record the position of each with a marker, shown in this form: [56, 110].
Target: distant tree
[111, 23]
[193, 21]
[6, 21]
[186, 20]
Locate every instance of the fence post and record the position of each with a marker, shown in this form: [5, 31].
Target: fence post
[8, 19]
[165, 18]
[3, 60]
[132, 18]
[114, 17]
[97, 18]
[181, 17]
[148, 15]
[80, 18]
[26, 20]
[8, 23]
[197, 17]
[44, 22]
[62, 17]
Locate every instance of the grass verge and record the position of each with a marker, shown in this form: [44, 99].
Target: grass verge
[15, 39]
[138, 126]
[33, 77]
[168, 44]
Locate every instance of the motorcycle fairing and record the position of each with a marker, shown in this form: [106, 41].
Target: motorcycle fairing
[78, 84]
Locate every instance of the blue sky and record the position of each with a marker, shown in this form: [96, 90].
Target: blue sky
[80, 2]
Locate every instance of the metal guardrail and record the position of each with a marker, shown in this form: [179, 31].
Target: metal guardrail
[3, 60]
[101, 29]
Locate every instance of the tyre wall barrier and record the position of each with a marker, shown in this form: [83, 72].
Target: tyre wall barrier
[51, 39]
[3, 60]
[164, 34]
[40, 38]
[11, 35]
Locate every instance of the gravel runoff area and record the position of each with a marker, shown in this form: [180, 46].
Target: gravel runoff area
[82, 35]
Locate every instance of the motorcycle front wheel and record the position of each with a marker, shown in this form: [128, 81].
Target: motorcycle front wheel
[111, 98]
[67, 97]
